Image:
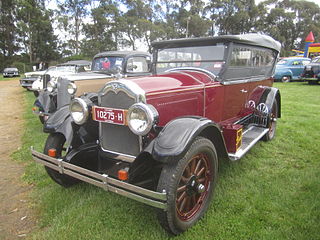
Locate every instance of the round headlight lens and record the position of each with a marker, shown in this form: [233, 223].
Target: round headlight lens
[141, 118]
[51, 86]
[72, 88]
[79, 111]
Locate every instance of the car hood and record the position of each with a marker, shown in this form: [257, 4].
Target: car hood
[86, 76]
[174, 81]
[313, 64]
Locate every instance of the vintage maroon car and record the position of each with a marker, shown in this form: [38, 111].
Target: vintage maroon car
[159, 139]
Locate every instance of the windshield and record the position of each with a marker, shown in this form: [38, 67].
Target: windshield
[210, 58]
[106, 63]
[63, 69]
[282, 62]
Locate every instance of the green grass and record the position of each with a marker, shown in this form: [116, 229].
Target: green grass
[8, 79]
[271, 193]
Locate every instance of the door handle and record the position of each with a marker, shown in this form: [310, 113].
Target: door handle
[243, 91]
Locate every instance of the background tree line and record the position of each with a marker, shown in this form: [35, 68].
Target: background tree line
[90, 26]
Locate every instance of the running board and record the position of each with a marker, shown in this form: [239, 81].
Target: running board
[249, 138]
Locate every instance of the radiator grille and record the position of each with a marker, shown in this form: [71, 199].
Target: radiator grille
[118, 138]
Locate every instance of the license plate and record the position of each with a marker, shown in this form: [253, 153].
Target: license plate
[109, 115]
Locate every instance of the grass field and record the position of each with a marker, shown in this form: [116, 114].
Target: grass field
[271, 193]
[8, 79]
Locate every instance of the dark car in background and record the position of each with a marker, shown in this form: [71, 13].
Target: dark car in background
[105, 67]
[290, 69]
[160, 139]
[10, 72]
[311, 72]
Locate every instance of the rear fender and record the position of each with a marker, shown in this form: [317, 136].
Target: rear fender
[269, 95]
[176, 137]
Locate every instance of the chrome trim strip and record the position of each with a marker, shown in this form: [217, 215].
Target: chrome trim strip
[213, 76]
[121, 156]
[174, 91]
[140, 194]
[231, 82]
[239, 154]
[130, 88]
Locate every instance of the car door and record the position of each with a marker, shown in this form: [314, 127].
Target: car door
[236, 96]
[236, 82]
[296, 67]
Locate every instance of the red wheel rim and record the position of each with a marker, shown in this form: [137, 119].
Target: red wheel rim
[189, 200]
[273, 122]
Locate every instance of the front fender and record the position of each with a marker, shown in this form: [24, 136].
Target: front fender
[281, 73]
[60, 122]
[176, 137]
[45, 102]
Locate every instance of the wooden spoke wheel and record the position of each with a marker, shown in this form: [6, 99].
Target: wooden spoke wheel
[272, 122]
[189, 183]
[193, 186]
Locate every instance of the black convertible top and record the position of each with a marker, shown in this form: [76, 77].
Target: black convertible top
[76, 62]
[120, 54]
[249, 39]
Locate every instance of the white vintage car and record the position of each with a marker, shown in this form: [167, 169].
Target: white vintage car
[63, 69]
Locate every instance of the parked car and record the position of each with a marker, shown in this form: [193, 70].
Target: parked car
[105, 67]
[31, 77]
[159, 139]
[10, 72]
[311, 72]
[288, 69]
[68, 68]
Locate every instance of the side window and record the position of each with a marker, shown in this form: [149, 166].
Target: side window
[241, 57]
[295, 63]
[249, 62]
[137, 64]
[305, 62]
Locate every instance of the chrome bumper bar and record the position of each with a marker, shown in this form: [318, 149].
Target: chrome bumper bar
[143, 195]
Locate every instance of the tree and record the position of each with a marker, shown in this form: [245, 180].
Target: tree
[290, 22]
[73, 12]
[8, 39]
[233, 16]
[101, 34]
[35, 32]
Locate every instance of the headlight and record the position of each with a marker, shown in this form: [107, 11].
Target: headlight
[72, 88]
[141, 118]
[51, 86]
[79, 111]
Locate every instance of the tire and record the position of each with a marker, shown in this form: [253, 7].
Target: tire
[313, 82]
[187, 200]
[286, 79]
[41, 118]
[57, 141]
[272, 125]
[36, 93]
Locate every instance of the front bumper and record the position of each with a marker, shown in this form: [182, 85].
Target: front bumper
[27, 82]
[143, 195]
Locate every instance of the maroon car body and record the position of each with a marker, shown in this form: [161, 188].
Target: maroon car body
[159, 139]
